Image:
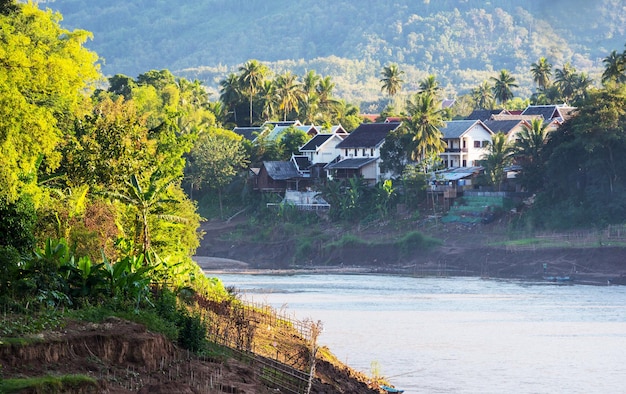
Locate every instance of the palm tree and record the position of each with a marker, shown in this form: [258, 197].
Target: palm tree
[614, 68]
[230, 93]
[269, 98]
[527, 151]
[251, 79]
[483, 96]
[289, 92]
[423, 122]
[430, 85]
[566, 81]
[310, 81]
[148, 203]
[541, 72]
[324, 91]
[391, 79]
[497, 157]
[502, 86]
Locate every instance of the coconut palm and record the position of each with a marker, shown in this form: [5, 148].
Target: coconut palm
[230, 93]
[424, 120]
[253, 74]
[391, 79]
[483, 96]
[527, 151]
[268, 97]
[614, 68]
[497, 157]
[565, 80]
[541, 72]
[430, 85]
[502, 86]
[289, 92]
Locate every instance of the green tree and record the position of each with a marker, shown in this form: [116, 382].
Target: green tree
[614, 68]
[230, 93]
[289, 92]
[482, 95]
[391, 80]
[502, 86]
[424, 121]
[292, 140]
[430, 85]
[216, 158]
[497, 157]
[252, 75]
[527, 152]
[541, 72]
[46, 75]
[147, 200]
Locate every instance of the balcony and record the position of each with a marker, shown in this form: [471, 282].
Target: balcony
[455, 150]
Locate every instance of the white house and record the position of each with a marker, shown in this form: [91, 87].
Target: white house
[359, 153]
[467, 142]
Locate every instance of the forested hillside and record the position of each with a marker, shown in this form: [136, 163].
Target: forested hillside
[462, 41]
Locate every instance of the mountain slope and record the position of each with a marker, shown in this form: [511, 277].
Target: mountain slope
[446, 37]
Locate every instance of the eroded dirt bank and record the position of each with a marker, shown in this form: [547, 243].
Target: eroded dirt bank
[462, 251]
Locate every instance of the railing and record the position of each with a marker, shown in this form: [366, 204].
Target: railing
[234, 325]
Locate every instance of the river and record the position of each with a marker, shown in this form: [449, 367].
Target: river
[460, 335]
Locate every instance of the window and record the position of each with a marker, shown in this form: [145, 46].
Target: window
[476, 144]
[372, 152]
[485, 144]
[355, 154]
[363, 152]
[464, 163]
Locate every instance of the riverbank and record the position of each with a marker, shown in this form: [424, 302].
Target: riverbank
[477, 251]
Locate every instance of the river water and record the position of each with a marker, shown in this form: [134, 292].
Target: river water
[460, 335]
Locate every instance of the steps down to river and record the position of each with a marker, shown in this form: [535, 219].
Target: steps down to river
[477, 208]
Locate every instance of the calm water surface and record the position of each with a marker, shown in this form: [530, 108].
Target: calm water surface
[459, 335]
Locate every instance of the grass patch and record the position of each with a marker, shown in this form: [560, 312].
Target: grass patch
[14, 325]
[414, 240]
[50, 384]
[348, 240]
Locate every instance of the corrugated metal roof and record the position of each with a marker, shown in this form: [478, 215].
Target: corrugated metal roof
[315, 142]
[281, 170]
[350, 164]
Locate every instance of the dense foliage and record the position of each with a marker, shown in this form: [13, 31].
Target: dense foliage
[461, 41]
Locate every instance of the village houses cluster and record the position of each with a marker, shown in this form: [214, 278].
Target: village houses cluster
[336, 154]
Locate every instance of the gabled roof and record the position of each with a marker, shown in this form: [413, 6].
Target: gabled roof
[248, 132]
[315, 142]
[504, 126]
[281, 170]
[286, 123]
[484, 114]
[339, 130]
[301, 162]
[549, 112]
[368, 135]
[516, 117]
[350, 164]
[456, 128]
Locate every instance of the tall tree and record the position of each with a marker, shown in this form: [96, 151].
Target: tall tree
[541, 72]
[527, 152]
[497, 157]
[424, 121]
[430, 85]
[614, 68]
[289, 92]
[216, 158]
[502, 86]
[565, 80]
[251, 79]
[230, 93]
[391, 79]
[482, 95]
[46, 76]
